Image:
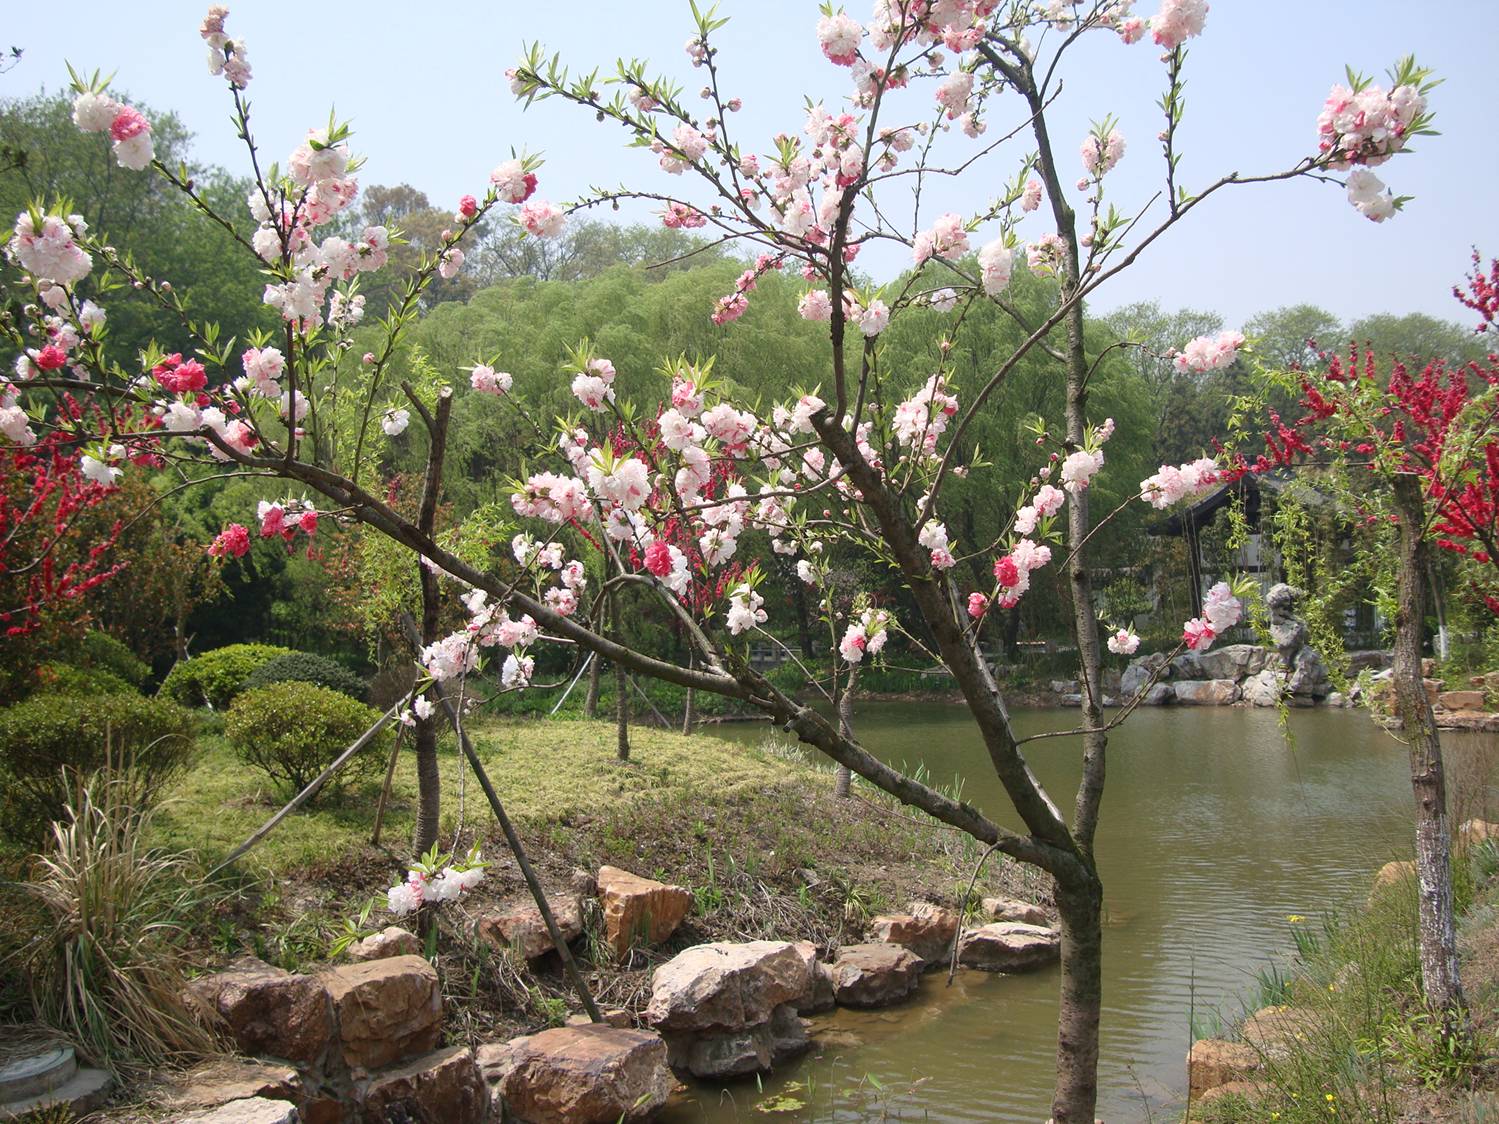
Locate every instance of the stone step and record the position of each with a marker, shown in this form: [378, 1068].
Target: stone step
[28, 1075]
[83, 1092]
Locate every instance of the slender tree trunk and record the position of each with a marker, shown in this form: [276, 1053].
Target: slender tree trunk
[1438, 931]
[1011, 635]
[591, 699]
[428, 777]
[621, 690]
[1079, 1011]
[689, 707]
[843, 778]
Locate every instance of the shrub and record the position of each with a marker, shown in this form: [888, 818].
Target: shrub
[105, 961]
[102, 652]
[66, 679]
[305, 667]
[49, 742]
[293, 731]
[214, 678]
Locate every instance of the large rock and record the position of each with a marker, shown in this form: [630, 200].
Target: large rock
[1473, 832]
[1232, 661]
[1461, 700]
[252, 1110]
[819, 994]
[1010, 946]
[1138, 673]
[1213, 1062]
[444, 1087]
[586, 1075]
[391, 941]
[1162, 694]
[1187, 666]
[1308, 678]
[519, 924]
[738, 1053]
[874, 975]
[1012, 909]
[1275, 1032]
[1263, 688]
[927, 930]
[387, 1010]
[269, 1011]
[727, 985]
[222, 1080]
[1207, 692]
[639, 910]
[1390, 875]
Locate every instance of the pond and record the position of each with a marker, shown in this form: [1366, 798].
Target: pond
[1215, 830]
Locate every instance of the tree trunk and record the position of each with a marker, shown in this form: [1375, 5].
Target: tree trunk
[843, 778]
[689, 707]
[1011, 636]
[428, 778]
[591, 699]
[621, 691]
[1076, 1093]
[1438, 931]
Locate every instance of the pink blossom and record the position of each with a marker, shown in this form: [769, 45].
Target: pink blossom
[1030, 198]
[486, 380]
[513, 183]
[1198, 634]
[1101, 154]
[1209, 353]
[232, 542]
[1124, 642]
[468, 207]
[947, 239]
[839, 36]
[542, 219]
[1178, 21]
[978, 605]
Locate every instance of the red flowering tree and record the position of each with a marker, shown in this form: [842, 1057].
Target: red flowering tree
[683, 502]
[1417, 452]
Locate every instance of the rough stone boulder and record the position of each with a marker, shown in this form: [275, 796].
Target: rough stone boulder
[819, 994]
[1477, 831]
[252, 1110]
[874, 975]
[738, 1053]
[1461, 700]
[1010, 946]
[269, 1011]
[1207, 692]
[926, 929]
[1012, 909]
[1263, 688]
[727, 985]
[613, 1016]
[1232, 661]
[1162, 694]
[586, 1075]
[518, 924]
[1138, 673]
[392, 941]
[1187, 666]
[1274, 1031]
[387, 1010]
[1248, 1090]
[639, 909]
[444, 1087]
[1213, 1062]
[222, 1080]
[1391, 874]
[1308, 678]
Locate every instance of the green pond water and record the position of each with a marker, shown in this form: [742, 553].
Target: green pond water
[1214, 831]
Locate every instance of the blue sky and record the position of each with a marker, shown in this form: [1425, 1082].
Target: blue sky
[425, 89]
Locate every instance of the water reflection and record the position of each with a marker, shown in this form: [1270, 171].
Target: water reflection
[1215, 828]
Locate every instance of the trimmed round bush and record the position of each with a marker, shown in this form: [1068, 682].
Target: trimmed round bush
[292, 732]
[305, 667]
[65, 679]
[214, 678]
[49, 742]
[102, 652]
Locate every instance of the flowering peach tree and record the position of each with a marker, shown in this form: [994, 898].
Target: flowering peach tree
[686, 504]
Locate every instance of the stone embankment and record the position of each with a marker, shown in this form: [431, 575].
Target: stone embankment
[361, 1043]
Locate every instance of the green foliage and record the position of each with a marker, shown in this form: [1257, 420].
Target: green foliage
[292, 731]
[102, 651]
[65, 679]
[49, 742]
[306, 667]
[215, 677]
[104, 956]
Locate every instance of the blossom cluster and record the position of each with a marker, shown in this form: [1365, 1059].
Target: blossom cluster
[434, 880]
[1208, 353]
[1221, 610]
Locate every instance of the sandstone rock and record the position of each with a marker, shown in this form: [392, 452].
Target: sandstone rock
[874, 975]
[325, 1108]
[639, 909]
[1010, 946]
[392, 941]
[1249, 1090]
[587, 1075]
[1262, 688]
[444, 1087]
[252, 1110]
[269, 1011]
[1372, 660]
[223, 1080]
[1477, 831]
[1162, 694]
[1207, 692]
[1232, 661]
[613, 1016]
[741, 1052]
[927, 930]
[727, 986]
[1461, 700]
[1428, 667]
[519, 924]
[1391, 874]
[387, 1010]
[1273, 1031]
[1012, 909]
[1433, 688]
[819, 994]
[1213, 1062]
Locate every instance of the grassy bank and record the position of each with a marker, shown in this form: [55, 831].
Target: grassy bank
[754, 832]
[1349, 1037]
